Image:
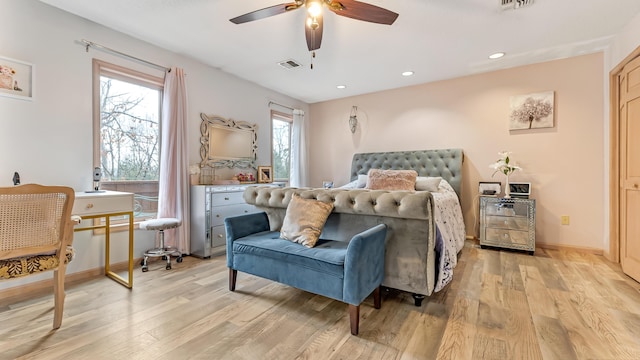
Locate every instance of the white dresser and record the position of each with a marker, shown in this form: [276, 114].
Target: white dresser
[210, 205]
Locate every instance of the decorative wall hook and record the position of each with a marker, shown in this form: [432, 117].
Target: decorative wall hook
[353, 119]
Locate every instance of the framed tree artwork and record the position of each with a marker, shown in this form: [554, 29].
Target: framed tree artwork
[531, 111]
[264, 174]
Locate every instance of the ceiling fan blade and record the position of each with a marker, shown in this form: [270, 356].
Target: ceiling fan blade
[266, 12]
[314, 36]
[363, 11]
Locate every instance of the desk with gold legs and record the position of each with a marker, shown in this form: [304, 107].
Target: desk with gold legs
[105, 205]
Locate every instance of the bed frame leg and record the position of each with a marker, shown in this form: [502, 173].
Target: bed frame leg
[418, 299]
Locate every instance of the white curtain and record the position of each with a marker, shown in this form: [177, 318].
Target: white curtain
[173, 193]
[299, 156]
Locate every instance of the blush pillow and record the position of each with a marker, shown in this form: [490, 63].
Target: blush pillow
[391, 179]
[304, 220]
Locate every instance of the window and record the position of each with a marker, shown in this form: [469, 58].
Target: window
[127, 111]
[281, 125]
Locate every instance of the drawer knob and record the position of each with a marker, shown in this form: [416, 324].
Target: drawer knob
[220, 236]
[506, 222]
[89, 206]
[217, 215]
[226, 198]
[506, 236]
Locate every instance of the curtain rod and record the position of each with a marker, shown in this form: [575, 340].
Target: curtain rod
[284, 106]
[89, 44]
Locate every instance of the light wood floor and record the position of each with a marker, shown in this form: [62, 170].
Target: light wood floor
[501, 305]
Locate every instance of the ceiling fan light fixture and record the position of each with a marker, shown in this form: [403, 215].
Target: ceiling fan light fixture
[314, 8]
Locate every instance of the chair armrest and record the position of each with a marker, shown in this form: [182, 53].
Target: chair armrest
[364, 264]
[240, 226]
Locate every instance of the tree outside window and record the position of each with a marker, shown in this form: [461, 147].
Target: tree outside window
[127, 126]
[281, 145]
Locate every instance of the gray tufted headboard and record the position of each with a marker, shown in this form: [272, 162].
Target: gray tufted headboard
[446, 163]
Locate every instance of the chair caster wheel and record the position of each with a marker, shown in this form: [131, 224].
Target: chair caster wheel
[179, 259]
[145, 269]
[168, 267]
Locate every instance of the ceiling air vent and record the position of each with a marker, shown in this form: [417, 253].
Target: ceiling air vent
[289, 64]
[515, 4]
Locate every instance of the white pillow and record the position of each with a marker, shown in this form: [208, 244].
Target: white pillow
[362, 181]
[351, 185]
[427, 183]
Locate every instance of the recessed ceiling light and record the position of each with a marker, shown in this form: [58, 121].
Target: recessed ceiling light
[407, 73]
[497, 55]
[341, 86]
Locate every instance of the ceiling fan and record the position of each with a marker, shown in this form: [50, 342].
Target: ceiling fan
[313, 27]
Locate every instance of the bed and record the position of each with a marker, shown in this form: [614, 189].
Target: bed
[444, 163]
[425, 228]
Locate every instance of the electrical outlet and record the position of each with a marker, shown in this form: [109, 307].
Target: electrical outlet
[564, 219]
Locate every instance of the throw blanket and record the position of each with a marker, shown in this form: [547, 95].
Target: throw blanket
[450, 233]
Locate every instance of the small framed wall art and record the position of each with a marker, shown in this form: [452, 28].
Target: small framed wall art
[531, 111]
[264, 174]
[16, 79]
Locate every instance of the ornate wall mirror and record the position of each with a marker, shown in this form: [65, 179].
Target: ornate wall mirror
[227, 143]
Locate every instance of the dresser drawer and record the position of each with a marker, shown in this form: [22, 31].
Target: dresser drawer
[219, 213]
[221, 199]
[219, 236]
[507, 209]
[505, 237]
[508, 222]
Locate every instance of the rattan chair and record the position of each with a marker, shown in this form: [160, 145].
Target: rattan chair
[36, 232]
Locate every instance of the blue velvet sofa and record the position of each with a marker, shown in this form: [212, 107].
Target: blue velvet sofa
[347, 271]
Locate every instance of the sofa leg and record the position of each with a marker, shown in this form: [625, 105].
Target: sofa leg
[377, 299]
[354, 317]
[233, 275]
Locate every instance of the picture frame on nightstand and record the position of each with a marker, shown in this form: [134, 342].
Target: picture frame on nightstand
[265, 174]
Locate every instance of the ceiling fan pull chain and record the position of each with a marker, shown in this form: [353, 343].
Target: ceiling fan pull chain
[313, 56]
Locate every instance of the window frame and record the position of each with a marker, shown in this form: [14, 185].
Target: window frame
[121, 73]
[277, 115]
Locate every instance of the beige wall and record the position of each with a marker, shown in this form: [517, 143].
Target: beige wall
[564, 164]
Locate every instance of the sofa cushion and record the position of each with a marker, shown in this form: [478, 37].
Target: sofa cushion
[391, 179]
[327, 256]
[304, 220]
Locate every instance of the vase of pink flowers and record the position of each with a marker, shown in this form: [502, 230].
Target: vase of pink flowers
[506, 166]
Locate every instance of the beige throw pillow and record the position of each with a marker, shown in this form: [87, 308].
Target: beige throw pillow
[391, 179]
[304, 220]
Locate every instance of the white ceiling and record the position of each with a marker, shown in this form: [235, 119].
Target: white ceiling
[437, 39]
